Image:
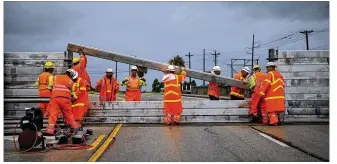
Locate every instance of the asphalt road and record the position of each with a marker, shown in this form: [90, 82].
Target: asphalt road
[193, 143]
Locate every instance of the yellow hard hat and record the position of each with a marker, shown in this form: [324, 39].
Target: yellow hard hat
[256, 66]
[75, 60]
[49, 64]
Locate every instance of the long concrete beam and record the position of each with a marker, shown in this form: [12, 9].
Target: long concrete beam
[151, 64]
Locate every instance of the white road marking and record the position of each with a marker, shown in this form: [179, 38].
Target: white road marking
[274, 140]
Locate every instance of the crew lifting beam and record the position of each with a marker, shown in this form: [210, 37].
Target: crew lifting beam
[151, 64]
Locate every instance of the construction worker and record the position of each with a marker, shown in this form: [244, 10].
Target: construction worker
[172, 94]
[239, 93]
[45, 84]
[133, 84]
[80, 104]
[272, 90]
[107, 86]
[80, 66]
[61, 100]
[213, 87]
[256, 81]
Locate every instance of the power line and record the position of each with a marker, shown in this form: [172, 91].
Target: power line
[215, 57]
[189, 62]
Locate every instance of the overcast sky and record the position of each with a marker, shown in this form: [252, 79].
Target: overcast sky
[160, 30]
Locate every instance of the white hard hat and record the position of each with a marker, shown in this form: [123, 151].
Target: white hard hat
[134, 67]
[246, 69]
[270, 64]
[170, 68]
[216, 68]
[72, 73]
[109, 70]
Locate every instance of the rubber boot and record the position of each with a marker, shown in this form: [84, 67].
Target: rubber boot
[176, 119]
[273, 119]
[168, 119]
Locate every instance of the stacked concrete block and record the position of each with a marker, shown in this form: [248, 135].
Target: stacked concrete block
[21, 69]
[306, 77]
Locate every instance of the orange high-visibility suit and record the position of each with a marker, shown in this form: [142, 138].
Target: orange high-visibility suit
[80, 104]
[61, 100]
[273, 91]
[214, 90]
[238, 93]
[108, 88]
[81, 69]
[45, 85]
[133, 84]
[172, 96]
[257, 101]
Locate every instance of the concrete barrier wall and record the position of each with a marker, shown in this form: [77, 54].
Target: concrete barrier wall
[21, 70]
[306, 75]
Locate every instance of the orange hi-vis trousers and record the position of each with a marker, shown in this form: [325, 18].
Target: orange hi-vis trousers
[44, 106]
[57, 105]
[133, 95]
[172, 109]
[258, 102]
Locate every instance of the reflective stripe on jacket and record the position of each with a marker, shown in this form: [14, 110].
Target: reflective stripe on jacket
[172, 90]
[62, 86]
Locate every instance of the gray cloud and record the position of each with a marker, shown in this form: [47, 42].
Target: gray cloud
[309, 10]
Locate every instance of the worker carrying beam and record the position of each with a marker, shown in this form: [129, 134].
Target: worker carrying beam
[273, 92]
[257, 102]
[80, 66]
[214, 87]
[61, 100]
[80, 104]
[133, 85]
[45, 84]
[172, 94]
[107, 86]
[239, 93]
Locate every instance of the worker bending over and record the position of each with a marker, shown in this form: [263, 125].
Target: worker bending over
[80, 103]
[273, 92]
[172, 94]
[107, 86]
[239, 93]
[61, 100]
[214, 87]
[133, 85]
[256, 81]
[45, 84]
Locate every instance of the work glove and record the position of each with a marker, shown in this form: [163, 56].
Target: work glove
[143, 79]
[125, 80]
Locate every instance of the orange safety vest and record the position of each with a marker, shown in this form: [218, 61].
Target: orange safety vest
[214, 89]
[79, 93]
[44, 81]
[172, 90]
[82, 71]
[259, 78]
[107, 89]
[133, 84]
[273, 90]
[238, 92]
[62, 86]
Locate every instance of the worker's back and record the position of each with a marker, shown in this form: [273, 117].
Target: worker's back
[62, 86]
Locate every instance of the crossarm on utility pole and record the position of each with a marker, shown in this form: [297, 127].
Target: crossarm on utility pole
[152, 64]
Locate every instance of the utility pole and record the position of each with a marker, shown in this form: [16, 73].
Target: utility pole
[189, 62]
[215, 57]
[204, 69]
[116, 70]
[253, 54]
[306, 33]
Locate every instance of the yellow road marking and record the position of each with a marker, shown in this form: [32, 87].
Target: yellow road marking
[97, 141]
[101, 150]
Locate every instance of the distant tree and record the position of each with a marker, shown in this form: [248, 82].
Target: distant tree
[155, 86]
[177, 61]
